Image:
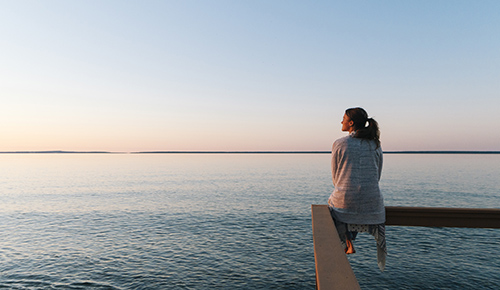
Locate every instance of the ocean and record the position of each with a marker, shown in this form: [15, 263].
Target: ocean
[228, 221]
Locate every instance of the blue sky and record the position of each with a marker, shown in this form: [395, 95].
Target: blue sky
[247, 75]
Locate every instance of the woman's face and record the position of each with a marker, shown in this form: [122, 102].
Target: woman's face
[347, 124]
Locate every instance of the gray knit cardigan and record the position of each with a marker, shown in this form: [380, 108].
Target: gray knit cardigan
[356, 170]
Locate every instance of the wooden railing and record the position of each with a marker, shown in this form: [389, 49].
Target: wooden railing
[333, 270]
[442, 217]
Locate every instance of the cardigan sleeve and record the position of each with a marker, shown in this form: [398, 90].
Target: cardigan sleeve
[380, 161]
[334, 163]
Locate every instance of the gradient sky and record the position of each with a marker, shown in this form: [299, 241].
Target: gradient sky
[247, 75]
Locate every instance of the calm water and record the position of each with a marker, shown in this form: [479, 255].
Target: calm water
[228, 221]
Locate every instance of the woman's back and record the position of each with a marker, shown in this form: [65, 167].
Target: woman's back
[356, 170]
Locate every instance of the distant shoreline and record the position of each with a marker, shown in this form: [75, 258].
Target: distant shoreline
[238, 152]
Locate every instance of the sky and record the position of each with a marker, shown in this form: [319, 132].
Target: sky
[215, 75]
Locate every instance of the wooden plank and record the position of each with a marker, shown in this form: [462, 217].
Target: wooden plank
[442, 217]
[333, 270]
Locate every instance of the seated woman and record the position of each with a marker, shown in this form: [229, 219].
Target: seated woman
[356, 204]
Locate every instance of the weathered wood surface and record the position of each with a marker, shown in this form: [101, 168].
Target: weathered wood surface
[442, 217]
[333, 270]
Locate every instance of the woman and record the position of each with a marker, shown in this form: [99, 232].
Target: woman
[356, 203]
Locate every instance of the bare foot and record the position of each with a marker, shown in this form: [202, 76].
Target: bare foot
[349, 249]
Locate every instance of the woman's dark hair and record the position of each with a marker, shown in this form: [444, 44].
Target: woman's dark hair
[360, 118]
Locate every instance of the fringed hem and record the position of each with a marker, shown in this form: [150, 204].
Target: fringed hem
[350, 231]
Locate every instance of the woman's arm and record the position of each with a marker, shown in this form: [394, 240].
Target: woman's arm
[380, 161]
[334, 163]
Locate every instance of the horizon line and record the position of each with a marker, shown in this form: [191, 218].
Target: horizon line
[247, 152]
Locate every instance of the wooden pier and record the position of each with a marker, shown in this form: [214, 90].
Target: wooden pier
[333, 270]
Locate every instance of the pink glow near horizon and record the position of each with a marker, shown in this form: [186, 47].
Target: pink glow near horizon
[247, 76]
